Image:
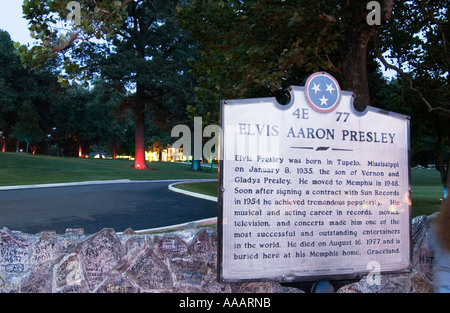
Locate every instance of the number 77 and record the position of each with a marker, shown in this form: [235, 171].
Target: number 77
[339, 114]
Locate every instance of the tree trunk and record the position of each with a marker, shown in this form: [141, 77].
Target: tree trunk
[114, 150]
[354, 73]
[139, 107]
[357, 33]
[34, 147]
[100, 156]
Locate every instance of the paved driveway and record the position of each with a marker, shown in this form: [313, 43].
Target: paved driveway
[138, 205]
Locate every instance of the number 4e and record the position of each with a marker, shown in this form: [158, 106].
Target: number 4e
[301, 114]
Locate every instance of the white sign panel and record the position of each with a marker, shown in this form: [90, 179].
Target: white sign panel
[313, 188]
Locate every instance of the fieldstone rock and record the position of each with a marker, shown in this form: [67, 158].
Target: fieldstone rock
[133, 245]
[77, 288]
[285, 289]
[188, 270]
[211, 285]
[15, 254]
[116, 283]
[75, 231]
[149, 272]
[99, 255]
[170, 245]
[45, 249]
[10, 283]
[422, 259]
[68, 272]
[210, 282]
[40, 280]
[256, 287]
[201, 244]
[128, 231]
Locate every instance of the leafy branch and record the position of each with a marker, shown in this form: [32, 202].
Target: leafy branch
[409, 82]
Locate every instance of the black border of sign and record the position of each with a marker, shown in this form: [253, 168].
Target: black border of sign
[348, 278]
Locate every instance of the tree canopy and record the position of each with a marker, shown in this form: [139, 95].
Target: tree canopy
[21, 89]
[262, 47]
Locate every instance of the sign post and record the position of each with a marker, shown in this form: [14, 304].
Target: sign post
[312, 189]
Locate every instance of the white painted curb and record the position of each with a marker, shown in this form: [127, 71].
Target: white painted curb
[193, 194]
[83, 183]
[99, 182]
[206, 221]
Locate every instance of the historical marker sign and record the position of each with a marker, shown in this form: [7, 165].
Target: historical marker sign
[313, 188]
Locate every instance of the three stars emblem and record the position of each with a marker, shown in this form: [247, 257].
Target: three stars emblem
[322, 92]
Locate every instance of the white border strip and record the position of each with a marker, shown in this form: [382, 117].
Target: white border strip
[83, 183]
[101, 182]
[193, 194]
[206, 221]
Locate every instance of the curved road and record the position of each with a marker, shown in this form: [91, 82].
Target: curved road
[136, 205]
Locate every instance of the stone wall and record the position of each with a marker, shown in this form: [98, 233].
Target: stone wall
[180, 261]
[418, 280]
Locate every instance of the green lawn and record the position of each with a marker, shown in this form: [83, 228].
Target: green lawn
[206, 188]
[26, 169]
[426, 191]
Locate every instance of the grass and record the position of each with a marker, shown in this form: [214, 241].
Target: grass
[206, 188]
[26, 169]
[426, 191]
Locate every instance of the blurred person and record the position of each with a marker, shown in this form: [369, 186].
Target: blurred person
[438, 241]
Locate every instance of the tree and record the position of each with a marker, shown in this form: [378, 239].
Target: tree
[151, 56]
[27, 127]
[69, 132]
[10, 71]
[141, 35]
[9, 67]
[83, 117]
[19, 84]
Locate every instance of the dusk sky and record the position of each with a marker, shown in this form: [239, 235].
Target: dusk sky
[12, 21]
